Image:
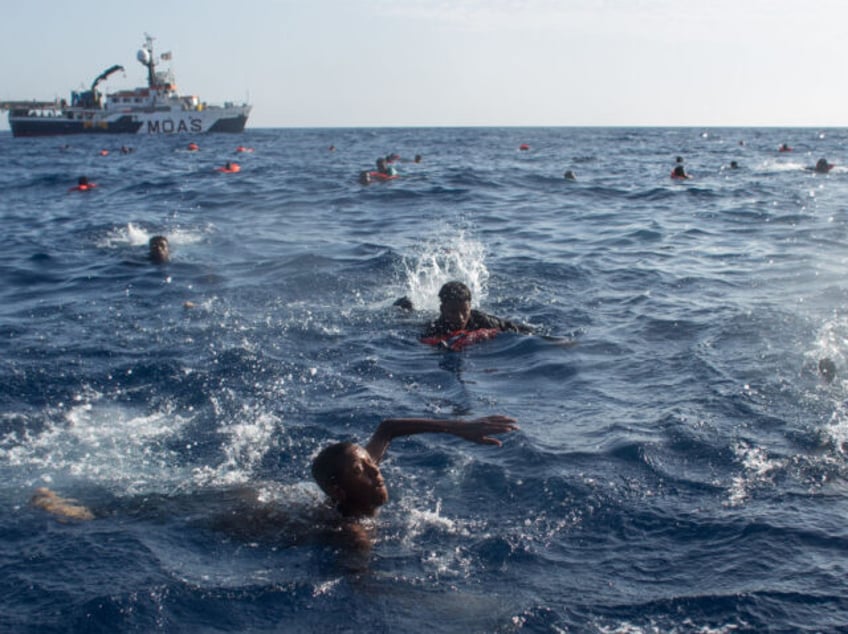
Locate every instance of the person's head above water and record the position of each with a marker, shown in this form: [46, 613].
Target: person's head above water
[349, 475]
[159, 250]
[455, 307]
[823, 166]
[82, 180]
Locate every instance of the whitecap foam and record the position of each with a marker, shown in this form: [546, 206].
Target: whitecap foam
[757, 469]
[247, 442]
[135, 235]
[107, 443]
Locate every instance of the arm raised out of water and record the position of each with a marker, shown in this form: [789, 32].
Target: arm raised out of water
[479, 430]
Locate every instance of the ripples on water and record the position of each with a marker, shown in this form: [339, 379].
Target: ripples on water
[680, 469]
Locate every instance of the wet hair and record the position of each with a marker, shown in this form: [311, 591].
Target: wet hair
[82, 180]
[328, 465]
[456, 291]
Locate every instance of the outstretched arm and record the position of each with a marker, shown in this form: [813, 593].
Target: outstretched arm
[479, 430]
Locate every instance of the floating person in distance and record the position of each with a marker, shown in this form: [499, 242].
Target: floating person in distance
[680, 173]
[83, 185]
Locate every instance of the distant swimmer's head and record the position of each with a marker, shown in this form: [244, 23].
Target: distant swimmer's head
[455, 307]
[159, 250]
[364, 177]
[679, 159]
[822, 166]
[404, 303]
[734, 165]
[570, 176]
[349, 475]
[417, 158]
[827, 369]
[82, 180]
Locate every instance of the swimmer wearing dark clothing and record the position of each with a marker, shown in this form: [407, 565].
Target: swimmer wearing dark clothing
[160, 252]
[348, 473]
[822, 166]
[83, 185]
[827, 369]
[384, 168]
[679, 172]
[456, 314]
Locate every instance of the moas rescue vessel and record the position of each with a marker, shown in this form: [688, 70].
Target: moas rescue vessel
[154, 109]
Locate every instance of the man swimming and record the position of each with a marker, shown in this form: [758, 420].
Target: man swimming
[456, 314]
[348, 473]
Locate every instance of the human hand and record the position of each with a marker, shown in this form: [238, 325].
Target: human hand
[479, 430]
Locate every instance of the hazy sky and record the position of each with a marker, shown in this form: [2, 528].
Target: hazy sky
[458, 63]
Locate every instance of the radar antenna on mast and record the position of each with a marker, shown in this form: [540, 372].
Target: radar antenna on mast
[146, 58]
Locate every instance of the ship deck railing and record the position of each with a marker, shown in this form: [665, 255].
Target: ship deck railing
[30, 105]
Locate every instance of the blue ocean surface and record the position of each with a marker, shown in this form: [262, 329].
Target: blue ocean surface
[680, 468]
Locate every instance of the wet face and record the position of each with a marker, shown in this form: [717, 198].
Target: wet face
[456, 313]
[159, 251]
[361, 488]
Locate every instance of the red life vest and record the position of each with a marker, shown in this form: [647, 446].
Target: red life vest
[380, 176]
[459, 339]
[83, 188]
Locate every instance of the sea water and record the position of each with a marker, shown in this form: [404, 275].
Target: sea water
[680, 468]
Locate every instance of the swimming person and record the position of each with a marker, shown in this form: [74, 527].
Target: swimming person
[160, 252]
[822, 166]
[459, 325]
[679, 172]
[384, 168]
[83, 185]
[348, 473]
[827, 369]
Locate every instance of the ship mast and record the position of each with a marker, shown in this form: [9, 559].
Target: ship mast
[146, 57]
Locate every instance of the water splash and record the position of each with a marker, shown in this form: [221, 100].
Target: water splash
[453, 256]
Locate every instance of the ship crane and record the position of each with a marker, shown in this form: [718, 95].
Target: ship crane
[101, 77]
